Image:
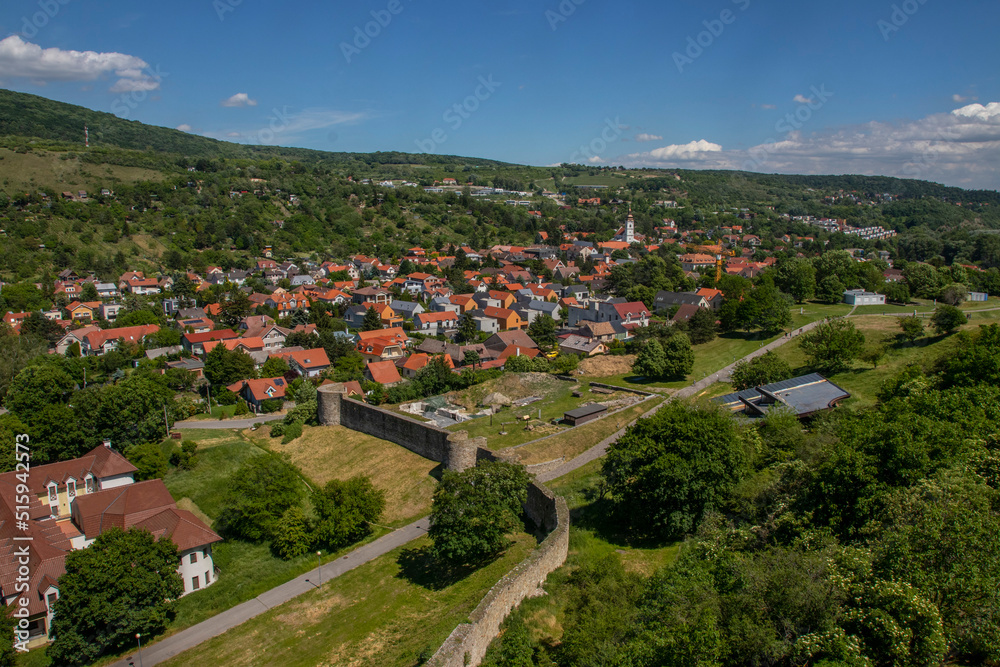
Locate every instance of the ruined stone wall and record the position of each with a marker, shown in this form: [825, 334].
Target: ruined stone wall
[455, 450]
[467, 644]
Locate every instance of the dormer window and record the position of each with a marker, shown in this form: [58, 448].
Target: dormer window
[53, 493]
[71, 488]
[90, 483]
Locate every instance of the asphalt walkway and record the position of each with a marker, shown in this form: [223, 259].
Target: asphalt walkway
[219, 425]
[191, 637]
[215, 626]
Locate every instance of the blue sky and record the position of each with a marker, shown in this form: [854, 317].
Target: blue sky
[848, 87]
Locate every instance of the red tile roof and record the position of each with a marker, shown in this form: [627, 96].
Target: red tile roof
[384, 372]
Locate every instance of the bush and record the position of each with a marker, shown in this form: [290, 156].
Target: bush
[565, 364]
[186, 456]
[242, 409]
[150, 461]
[292, 431]
[277, 429]
[225, 397]
[272, 405]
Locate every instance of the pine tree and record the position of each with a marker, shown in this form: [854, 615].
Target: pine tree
[372, 321]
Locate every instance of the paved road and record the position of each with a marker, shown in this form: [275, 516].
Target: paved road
[227, 423]
[182, 641]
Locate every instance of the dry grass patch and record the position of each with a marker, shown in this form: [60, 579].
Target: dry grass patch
[512, 385]
[578, 440]
[334, 452]
[603, 367]
[190, 506]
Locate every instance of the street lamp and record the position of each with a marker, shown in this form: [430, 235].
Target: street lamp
[319, 558]
[138, 638]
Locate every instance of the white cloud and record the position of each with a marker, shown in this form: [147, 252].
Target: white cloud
[684, 151]
[648, 137]
[239, 100]
[233, 135]
[768, 106]
[959, 148]
[184, 127]
[962, 99]
[987, 113]
[597, 159]
[21, 59]
[802, 99]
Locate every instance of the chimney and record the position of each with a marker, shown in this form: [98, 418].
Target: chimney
[107, 443]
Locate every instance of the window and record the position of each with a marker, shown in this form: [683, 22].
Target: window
[194, 558]
[71, 489]
[90, 484]
[195, 583]
[208, 579]
[53, 493]
[50, 599]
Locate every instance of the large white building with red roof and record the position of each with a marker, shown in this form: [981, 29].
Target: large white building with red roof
[71, 503]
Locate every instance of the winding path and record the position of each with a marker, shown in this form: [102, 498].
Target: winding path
[176, 644]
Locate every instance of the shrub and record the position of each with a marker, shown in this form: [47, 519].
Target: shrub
[292, 431]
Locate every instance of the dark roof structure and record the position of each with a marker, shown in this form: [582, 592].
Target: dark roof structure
[804, 396]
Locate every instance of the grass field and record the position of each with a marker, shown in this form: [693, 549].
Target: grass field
[333, 452]
[863, 381]
[557, 400]
[578, 440]
[30, 171]
[383, 614]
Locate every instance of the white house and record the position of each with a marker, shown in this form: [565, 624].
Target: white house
[859, 297]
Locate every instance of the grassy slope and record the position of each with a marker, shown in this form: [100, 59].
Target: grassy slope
[334, 452]
[379, 615]
[28, 171]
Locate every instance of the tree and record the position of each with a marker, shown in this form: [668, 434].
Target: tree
[922, 280]
[257, 495]
[8, 654]
[292, 538]
[912, 328]
[669, 469]
[873, 352]
[975, 360]
[150, 461]
[543, 331]
[897, 293]
[474, 511]
[346, 511]
[89, 293]
[274, 367]
[123, 584]
[235, 308]
[651, 361]
[131, 411]
[702, 328]
[467, 332]
[224, 367]
[372, 320]
[470, 358]
[831, 290]
[678, 356]
[833, 345]
[39, 326]
[765, 369]
[954, 294]
[797, 277]
[948, 319]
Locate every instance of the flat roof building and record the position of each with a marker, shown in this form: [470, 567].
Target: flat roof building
[585, 413]
[804, 396]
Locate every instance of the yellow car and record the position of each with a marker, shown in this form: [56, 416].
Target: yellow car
[552, 355]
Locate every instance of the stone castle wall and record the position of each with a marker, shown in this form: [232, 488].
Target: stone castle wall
[467, 644]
